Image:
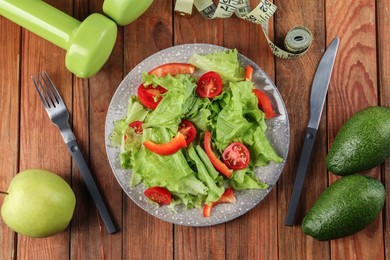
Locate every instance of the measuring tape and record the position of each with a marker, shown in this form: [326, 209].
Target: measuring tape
[297, 41]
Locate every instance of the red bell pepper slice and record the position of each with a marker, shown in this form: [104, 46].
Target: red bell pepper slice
[218, 164]
[249, 72]
[227, 197]
[264, 103]
[178, 142]
[173, 69]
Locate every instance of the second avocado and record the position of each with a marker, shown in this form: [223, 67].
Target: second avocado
[362, 143]
[347, 206]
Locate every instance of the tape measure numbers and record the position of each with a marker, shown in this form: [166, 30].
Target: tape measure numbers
[296, 43]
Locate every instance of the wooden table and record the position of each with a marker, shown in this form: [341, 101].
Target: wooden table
[28, 139]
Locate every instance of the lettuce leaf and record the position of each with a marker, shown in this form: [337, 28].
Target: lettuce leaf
[239, 117]
[225, 63]
[205, 176]
[241, 121]
[135, 112]
[246, 179]
[262, 151]
[124, 136]
[176, 102]
[171, 172]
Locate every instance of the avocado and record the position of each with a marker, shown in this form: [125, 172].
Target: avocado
[347, 206]
[362, 143]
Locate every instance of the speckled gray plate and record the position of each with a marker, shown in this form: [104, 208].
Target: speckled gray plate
[278, 134]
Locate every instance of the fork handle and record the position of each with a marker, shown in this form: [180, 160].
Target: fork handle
[78, 158]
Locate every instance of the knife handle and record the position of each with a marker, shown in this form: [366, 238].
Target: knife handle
[301, 173]
[78, 158]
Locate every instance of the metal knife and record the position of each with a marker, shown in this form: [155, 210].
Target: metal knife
[319, 90]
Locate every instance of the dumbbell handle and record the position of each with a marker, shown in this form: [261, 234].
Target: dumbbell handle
[41, 19]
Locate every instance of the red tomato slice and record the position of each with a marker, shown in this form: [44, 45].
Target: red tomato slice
[209, 85]
[158, 194]
[220, 166]
[264, 103]
[173, 69]
[249, 72]
[227, 197]
[137, 125]
[236, 156]
[188, 130]
[150, 96]
[178, 142]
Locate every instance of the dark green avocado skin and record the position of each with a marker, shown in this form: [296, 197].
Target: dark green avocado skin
[362, 143]
[347, 206]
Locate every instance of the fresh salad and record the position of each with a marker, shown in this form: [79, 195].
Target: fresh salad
[195, 131]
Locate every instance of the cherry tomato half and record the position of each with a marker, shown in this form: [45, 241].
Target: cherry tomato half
[137, 125]
[150, 96]
[209, 85]
[173, 69]
[188, 130]
[158, 194]
[264, 103]
[236, 156]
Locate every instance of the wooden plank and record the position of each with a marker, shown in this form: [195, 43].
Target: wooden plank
[41, 145]
[82, 226]
[193, 242]
[144, 236]
[9, 123]
[196, 29]
[383, 25]
[354, 87]
[383, 38]
[253, 235]
[294, 78]
[200, 243]
[89, 238]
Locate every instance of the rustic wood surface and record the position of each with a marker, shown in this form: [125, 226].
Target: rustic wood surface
[28, 139]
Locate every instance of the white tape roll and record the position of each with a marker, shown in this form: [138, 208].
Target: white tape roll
[297, 41]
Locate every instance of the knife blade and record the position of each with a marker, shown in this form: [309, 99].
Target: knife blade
[319, 90]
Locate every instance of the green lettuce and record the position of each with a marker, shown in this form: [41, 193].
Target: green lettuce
[176, 102]
[124, 136]
[233, 116]
[172, 172]
[205, 176]
[240, 120]
[225, 63]
[246, 179]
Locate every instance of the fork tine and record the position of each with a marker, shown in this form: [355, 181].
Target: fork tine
[47, 90]
[41, 91]
[53, 89]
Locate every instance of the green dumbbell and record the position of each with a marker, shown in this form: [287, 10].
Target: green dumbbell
[124, 12]
[88, 44]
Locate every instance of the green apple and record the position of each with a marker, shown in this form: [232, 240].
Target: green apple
[38, 203]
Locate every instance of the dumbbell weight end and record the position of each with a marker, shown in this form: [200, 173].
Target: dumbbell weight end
[124, 12]
[88, 44]
[91, 45]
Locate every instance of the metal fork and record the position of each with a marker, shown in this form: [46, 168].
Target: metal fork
[56, 109]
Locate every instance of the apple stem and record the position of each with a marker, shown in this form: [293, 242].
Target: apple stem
[3, 192]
